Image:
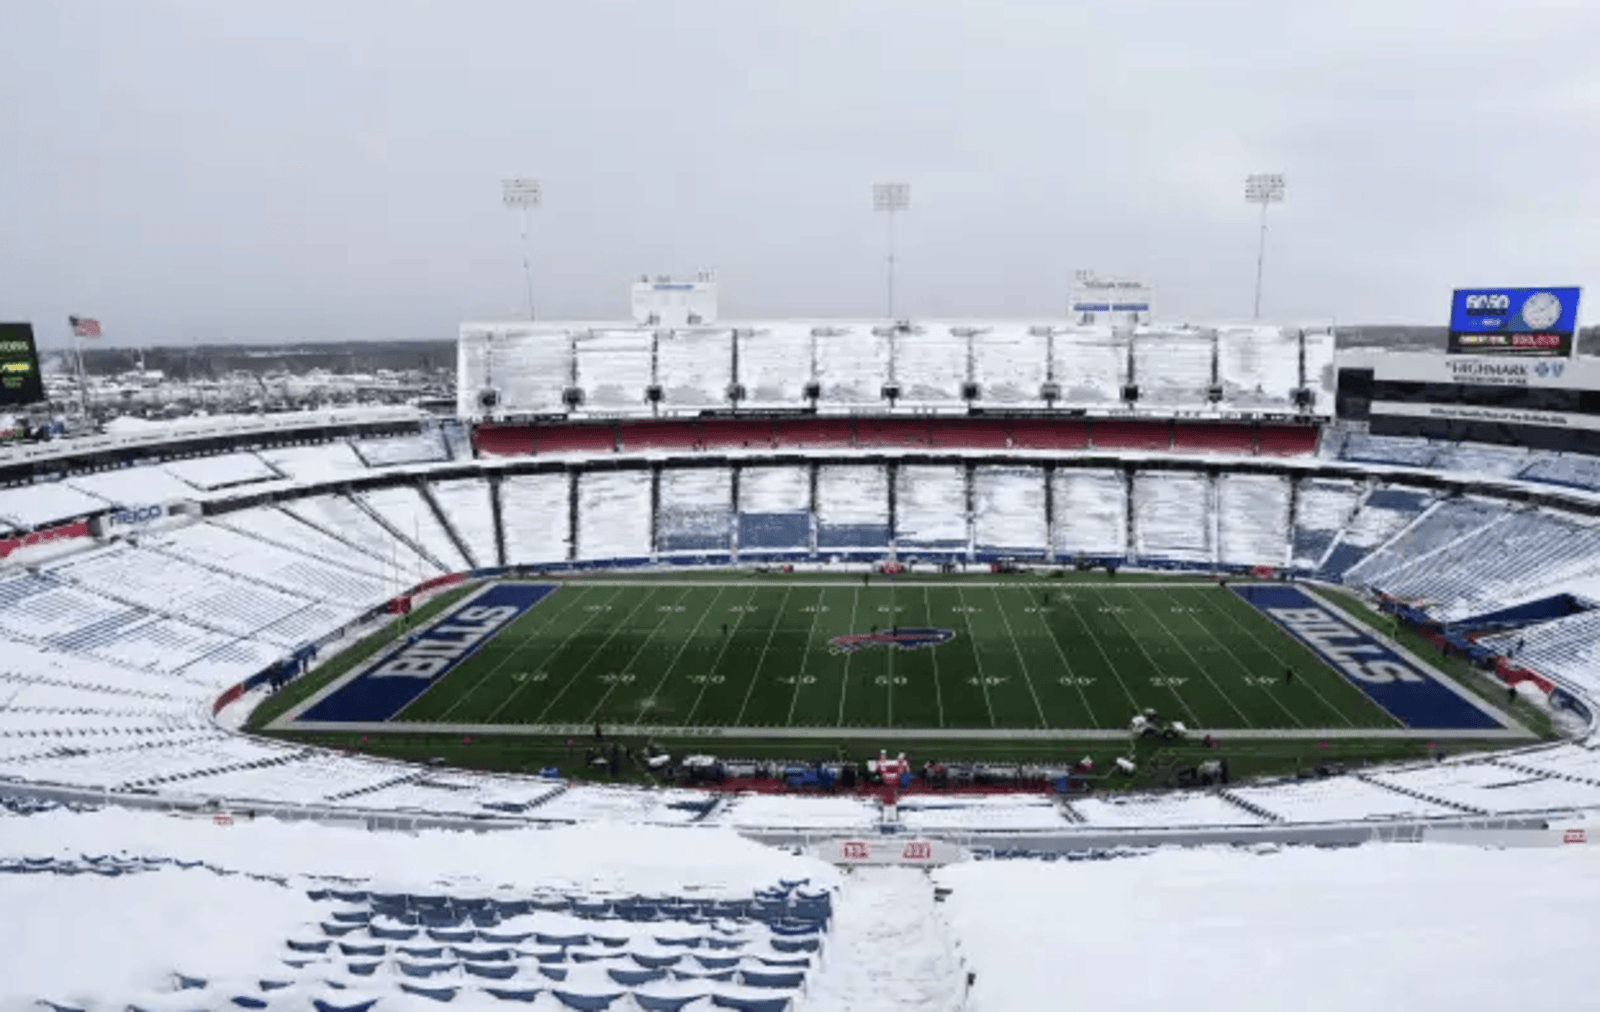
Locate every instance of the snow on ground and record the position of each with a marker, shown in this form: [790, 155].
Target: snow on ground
[89, 940]
[1414, 926]
[890, 948]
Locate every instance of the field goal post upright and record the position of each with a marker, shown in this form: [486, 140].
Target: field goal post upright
[1264, 188]
[524, 195]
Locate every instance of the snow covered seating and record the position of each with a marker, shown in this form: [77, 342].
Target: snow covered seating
[1370, 449]
[305, 917]
[30, 506]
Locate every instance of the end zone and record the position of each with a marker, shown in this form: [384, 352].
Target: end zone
[384, 685]
[1399, 682]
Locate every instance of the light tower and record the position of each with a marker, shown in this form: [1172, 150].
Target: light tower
[523, 194]
[890, 198]
[1262, 188]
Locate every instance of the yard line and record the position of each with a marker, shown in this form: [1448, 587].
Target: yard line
[1067, 664]
[983, 679]
[805, 658]
[688, 718]
[596, 652]
[1153, 665]
[844, 684]
[1020, 660]
[656, 692]
[1089, 628]
[938, 694]
[894, 624]
[1277, 657]
[1243, 668]
[563, 645]
[1193, 659]
[632, 660]
[549, 617]
[756, 676]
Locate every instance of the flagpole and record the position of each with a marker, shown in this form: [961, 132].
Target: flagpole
[83, 378]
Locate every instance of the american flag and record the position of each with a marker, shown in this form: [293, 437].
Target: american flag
[83, 326]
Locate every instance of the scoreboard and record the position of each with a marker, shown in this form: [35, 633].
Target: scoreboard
[1523, 322]
[20, 381]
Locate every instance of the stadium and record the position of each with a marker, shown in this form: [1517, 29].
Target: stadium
[937, 594]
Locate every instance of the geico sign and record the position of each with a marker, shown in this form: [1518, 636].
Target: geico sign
[135, 514]
[444, 644]
[1344, 646]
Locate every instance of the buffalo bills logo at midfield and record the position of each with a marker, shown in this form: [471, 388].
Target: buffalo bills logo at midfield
[906, 638]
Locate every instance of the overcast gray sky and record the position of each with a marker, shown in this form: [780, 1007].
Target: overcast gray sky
[320, 169]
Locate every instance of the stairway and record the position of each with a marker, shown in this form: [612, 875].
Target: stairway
[889, 950]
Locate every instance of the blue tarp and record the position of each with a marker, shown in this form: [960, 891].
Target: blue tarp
[1542, 610]
[754, 979]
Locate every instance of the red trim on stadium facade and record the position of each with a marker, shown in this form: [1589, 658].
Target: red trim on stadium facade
[885, 433]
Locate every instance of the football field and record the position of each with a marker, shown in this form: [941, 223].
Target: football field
[788, 654]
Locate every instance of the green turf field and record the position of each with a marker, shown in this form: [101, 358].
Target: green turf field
[756, 653]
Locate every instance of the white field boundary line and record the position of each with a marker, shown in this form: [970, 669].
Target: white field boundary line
[290, 718]
[932, 733]
[1505, 719]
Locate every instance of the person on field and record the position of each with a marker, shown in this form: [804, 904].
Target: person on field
[1288, 676]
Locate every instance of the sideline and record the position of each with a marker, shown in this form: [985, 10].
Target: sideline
[581, 731]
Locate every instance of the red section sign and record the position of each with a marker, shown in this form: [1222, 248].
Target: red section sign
[917, 850]
[62, 533]
[1574, 836]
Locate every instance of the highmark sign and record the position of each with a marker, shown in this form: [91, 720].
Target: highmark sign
[1499, 372]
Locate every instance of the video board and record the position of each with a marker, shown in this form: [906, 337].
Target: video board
[20, 382]
[1522, 322]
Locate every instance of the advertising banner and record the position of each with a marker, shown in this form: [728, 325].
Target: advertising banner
[1533, 322]
[53, 535]
[20, 381]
